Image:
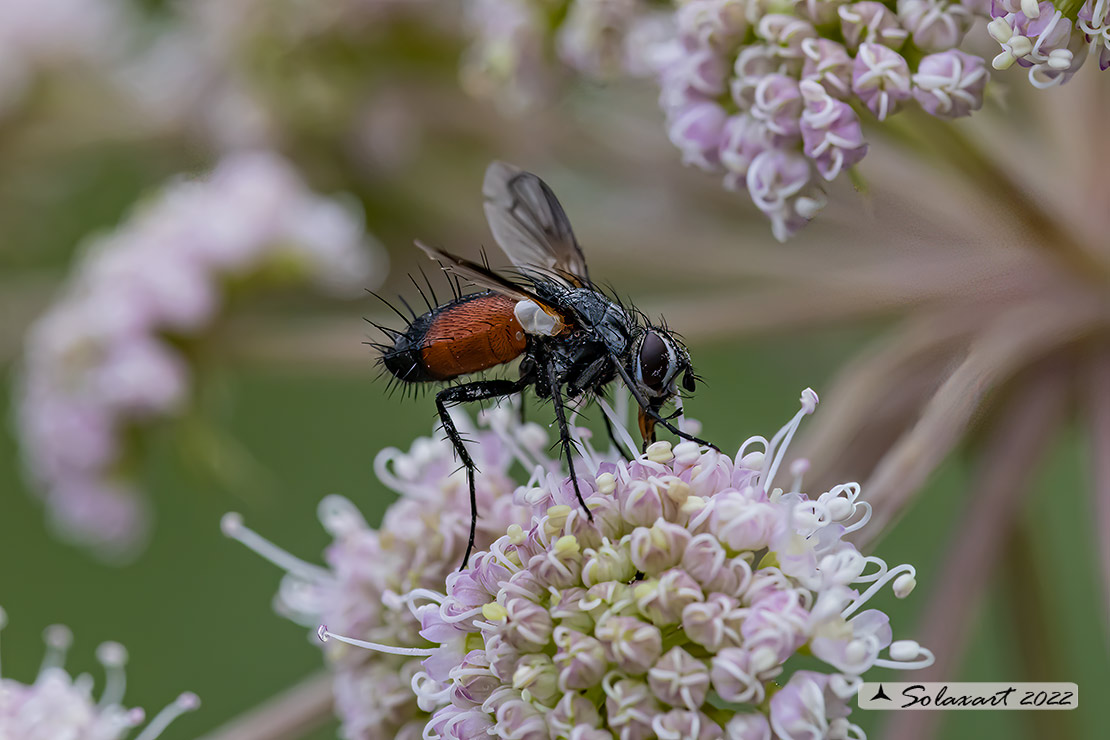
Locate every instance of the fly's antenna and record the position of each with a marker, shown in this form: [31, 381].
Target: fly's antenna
[421, 292]
[391, 307]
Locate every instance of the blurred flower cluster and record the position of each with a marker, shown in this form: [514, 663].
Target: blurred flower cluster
[771, 95]
[112, 355]
[48, 36]
[57, 705]
[775, 94]
[419, 543]
[519, 46]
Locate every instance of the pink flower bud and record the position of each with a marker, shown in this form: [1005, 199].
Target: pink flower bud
[527, 626]
[881, 79]
[713, 623]
[786, 32]
[735, 676]
[682, 724]
[632, 644]
[679, 679]
[743, 524]
[870, 22]
[950, 84]
[643, 503]
[658, 548]
[748, 726]
[935, 25]
[662, 601]
[573, 711]
[831, 132]
[778, 103]
[630, 708]
[537, 674]
[707, 562]
[829, 64]
[608, 562]
[580, 659]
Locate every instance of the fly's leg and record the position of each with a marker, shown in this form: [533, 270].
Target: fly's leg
[652, 413]
[564, 435]
[613, 437]
[480, 390]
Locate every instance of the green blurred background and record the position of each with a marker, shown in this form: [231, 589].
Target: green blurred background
[294, 386]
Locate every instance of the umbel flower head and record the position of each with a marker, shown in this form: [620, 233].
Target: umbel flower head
[772, 94]
[107, 357]
[674, 614]
[420, 542]
[56, 705]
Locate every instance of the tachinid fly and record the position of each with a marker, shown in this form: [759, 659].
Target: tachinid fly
[573, 339]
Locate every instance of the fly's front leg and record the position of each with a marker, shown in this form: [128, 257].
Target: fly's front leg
[613, 438]
[564, 435]
[480, 390]
[647, 411]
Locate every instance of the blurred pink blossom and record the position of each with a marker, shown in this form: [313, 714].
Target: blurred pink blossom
[106, 358]
[57, 705]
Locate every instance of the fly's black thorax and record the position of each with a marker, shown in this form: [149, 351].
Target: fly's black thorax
[605, 321]
[583, 359]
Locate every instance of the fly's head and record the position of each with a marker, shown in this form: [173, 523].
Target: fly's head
[660, 363]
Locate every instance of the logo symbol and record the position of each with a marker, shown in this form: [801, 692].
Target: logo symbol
[880, 694]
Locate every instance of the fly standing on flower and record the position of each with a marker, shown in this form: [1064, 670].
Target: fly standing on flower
[573, 339]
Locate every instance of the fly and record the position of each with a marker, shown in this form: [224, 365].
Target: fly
[572, 338]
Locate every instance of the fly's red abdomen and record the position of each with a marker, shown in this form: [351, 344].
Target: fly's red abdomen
[467, 335]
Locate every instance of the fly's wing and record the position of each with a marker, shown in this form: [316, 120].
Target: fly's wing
[535, 315]
[477, 274]
[530, 225]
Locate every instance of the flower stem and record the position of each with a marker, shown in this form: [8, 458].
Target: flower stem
[1029, 611]
[287, 716]
[948, 141]
[1098, 405]
[1000, 486]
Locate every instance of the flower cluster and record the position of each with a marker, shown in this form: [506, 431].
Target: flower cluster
[52, 33]
[57, 705]
[420, 542]
[109, 355]
[1052, 43]
[691, 590]
[770, 93]
[511, 58]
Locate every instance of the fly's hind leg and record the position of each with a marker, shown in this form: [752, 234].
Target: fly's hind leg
[479, 390]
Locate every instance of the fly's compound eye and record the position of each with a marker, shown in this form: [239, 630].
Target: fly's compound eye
[656, 363]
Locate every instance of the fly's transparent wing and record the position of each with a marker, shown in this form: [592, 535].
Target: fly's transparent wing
[477, 274]
[530, 225]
